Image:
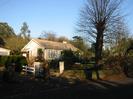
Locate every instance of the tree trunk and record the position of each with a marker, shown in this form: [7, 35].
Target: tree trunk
[98, 52]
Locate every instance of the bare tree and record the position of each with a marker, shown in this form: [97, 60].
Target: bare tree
[97, 19]
[62, 38]
[52, 37]
[118, 38]
[48, 35]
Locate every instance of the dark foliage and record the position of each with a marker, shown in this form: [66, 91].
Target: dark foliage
[6, 30]
[2, 42]
[127, 65]
[54, 64]
[18, 61]
[69, 57]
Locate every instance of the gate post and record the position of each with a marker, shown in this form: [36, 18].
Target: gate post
[61, 67]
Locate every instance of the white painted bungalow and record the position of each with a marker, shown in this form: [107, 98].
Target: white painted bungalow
[51, 49]
[4, 52]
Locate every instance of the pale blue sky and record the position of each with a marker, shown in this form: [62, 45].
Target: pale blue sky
[59, 16]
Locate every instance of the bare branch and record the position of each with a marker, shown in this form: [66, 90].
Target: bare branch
[97, 20]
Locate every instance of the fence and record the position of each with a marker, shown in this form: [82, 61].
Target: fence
[28, 69]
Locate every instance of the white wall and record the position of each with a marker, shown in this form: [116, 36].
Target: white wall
[4, 52]
[32, 47]
[49, 54]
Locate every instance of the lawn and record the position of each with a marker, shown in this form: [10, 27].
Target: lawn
[59, 87]
[69, 85]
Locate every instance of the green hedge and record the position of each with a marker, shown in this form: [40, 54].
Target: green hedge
[17, 59]
[3, 60]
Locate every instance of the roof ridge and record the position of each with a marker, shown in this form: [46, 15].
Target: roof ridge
[50, 41]
[54, 44]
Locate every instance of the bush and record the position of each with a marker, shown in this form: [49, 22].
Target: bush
[3, 60]
[54, 64]
[114, 63]
[18, 60]
[127, 65]
[69, 57]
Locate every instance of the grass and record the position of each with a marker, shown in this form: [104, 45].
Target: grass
[77, 74]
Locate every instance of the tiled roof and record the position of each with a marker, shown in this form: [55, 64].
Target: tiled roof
[55, 45]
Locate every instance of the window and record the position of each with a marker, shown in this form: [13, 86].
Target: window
[52, 54]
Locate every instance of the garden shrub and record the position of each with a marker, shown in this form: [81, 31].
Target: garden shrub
[54, 64]
[69, 57]
[127, 63]
[3, 60]
[114, 63]
[18, 60]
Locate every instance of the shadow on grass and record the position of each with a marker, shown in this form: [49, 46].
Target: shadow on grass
[63, 88]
